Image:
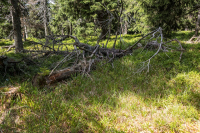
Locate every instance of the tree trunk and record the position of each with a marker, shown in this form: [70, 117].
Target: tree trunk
[25, 29]
[70, 29]
[24, 35]
[197, 23]
[26, 32]
[125, 31]
[45, 18]
[16, 26]
[62, 31]
[104, 31]
[101, 17]
[10, 38]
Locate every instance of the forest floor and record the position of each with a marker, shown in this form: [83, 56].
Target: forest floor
[111, 99]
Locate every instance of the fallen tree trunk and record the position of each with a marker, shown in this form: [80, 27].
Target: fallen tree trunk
[66, 73]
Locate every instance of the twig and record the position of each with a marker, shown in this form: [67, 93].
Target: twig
[59, 63]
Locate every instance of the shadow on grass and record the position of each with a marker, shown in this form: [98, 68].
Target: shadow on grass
[183, 35]
[130, 37]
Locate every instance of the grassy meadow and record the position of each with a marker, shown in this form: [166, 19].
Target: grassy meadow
[113, 98]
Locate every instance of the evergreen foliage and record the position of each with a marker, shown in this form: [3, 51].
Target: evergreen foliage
[5, 19]
[86, 16]
[163, 13]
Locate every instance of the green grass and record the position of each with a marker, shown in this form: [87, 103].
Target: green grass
[167, 99]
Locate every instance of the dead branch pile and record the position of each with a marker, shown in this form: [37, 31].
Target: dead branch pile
[84, 57]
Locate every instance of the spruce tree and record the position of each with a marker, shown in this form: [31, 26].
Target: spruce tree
[87, 15]
[164, 13]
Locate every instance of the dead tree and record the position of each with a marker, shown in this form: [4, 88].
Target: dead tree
[84, 57]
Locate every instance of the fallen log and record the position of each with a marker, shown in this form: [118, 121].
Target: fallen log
[66, 73]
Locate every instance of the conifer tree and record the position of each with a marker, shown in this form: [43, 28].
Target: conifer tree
[89, 14]
[164, 13]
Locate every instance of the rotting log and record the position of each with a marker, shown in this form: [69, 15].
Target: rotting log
[66, 73]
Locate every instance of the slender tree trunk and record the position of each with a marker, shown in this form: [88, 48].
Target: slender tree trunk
[24, 35]
[26, 32]
[104, 31]
[125, 28]
[71, 28]
[10, 37]
[25, 29]
[122, 27]
[16, 26]
[62, 30]
[197, 23]
[45, 18]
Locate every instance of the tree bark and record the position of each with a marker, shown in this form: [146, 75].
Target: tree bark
[104, 25]
[45, 18]
[71, 29]
[197, 23]
[125, 31]
[25, 29]
[17, 26]
[104, 31]
[24, 35]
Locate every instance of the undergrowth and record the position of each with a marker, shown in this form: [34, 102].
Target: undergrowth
[114, 99]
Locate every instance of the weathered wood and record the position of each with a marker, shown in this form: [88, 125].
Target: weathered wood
[66, 73]
[86, 57]
[84, 65]
[9, 47]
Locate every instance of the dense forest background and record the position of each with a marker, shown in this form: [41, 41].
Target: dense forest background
[39, 18]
